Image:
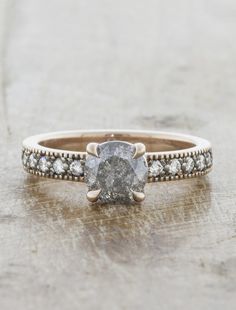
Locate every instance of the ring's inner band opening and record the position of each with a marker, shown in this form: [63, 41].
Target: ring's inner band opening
[153, 144]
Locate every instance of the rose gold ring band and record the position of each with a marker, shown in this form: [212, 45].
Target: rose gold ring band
[170, 156]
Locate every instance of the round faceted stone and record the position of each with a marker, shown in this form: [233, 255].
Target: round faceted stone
[175, 166]
[58, 166]
[115, 171]
[208, 159]
[43, 164]
[76, 168]
[201, 162]
[189, 165]
[25, 159]
[156, 168]
[32, 161]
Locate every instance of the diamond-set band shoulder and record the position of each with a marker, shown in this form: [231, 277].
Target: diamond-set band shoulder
[116, 164]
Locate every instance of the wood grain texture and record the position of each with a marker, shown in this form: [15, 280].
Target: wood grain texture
[165, 65]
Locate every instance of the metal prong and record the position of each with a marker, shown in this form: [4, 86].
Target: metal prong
[138, 196]
[92, 196]
[92, 149]
[140, 150]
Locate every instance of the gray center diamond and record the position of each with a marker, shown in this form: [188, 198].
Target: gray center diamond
[115, 172]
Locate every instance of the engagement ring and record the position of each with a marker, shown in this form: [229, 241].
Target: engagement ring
[116, 164]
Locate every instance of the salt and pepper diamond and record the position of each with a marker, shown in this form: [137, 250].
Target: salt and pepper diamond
[116, 171]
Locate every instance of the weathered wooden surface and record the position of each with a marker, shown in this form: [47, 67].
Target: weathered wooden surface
[71, 64]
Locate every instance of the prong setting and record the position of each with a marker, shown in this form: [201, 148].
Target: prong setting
[140, 150]
[92, 149]
[93, 195]
[138, 196]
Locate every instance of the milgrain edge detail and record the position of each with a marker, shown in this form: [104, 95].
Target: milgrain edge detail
[68, 158]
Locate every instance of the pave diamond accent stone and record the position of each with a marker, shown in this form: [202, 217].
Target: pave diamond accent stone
[43, 164]
[32, 161]
[208, 159]
[156, 168]
[115, 171]
[58, 166]
[189, 165]
[24, 159]
[76, 168]
[175, 167]
[200, 162]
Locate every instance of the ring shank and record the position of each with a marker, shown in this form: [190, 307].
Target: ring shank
[76, 141]
[170, 156]
[78, 144]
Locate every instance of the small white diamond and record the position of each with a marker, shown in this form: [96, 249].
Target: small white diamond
[156, 168]
[175, 167]
[208, 159]
[58, 166]
[76, 168]
[43, 164]
[201, 162]
[189, 165]
[32, 161]
[25, 159]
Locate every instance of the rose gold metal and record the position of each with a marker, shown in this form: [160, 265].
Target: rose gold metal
[74, 142]
[162, 146]
[93, 196]
[92, 149]
[138, 196]
[140, 150]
